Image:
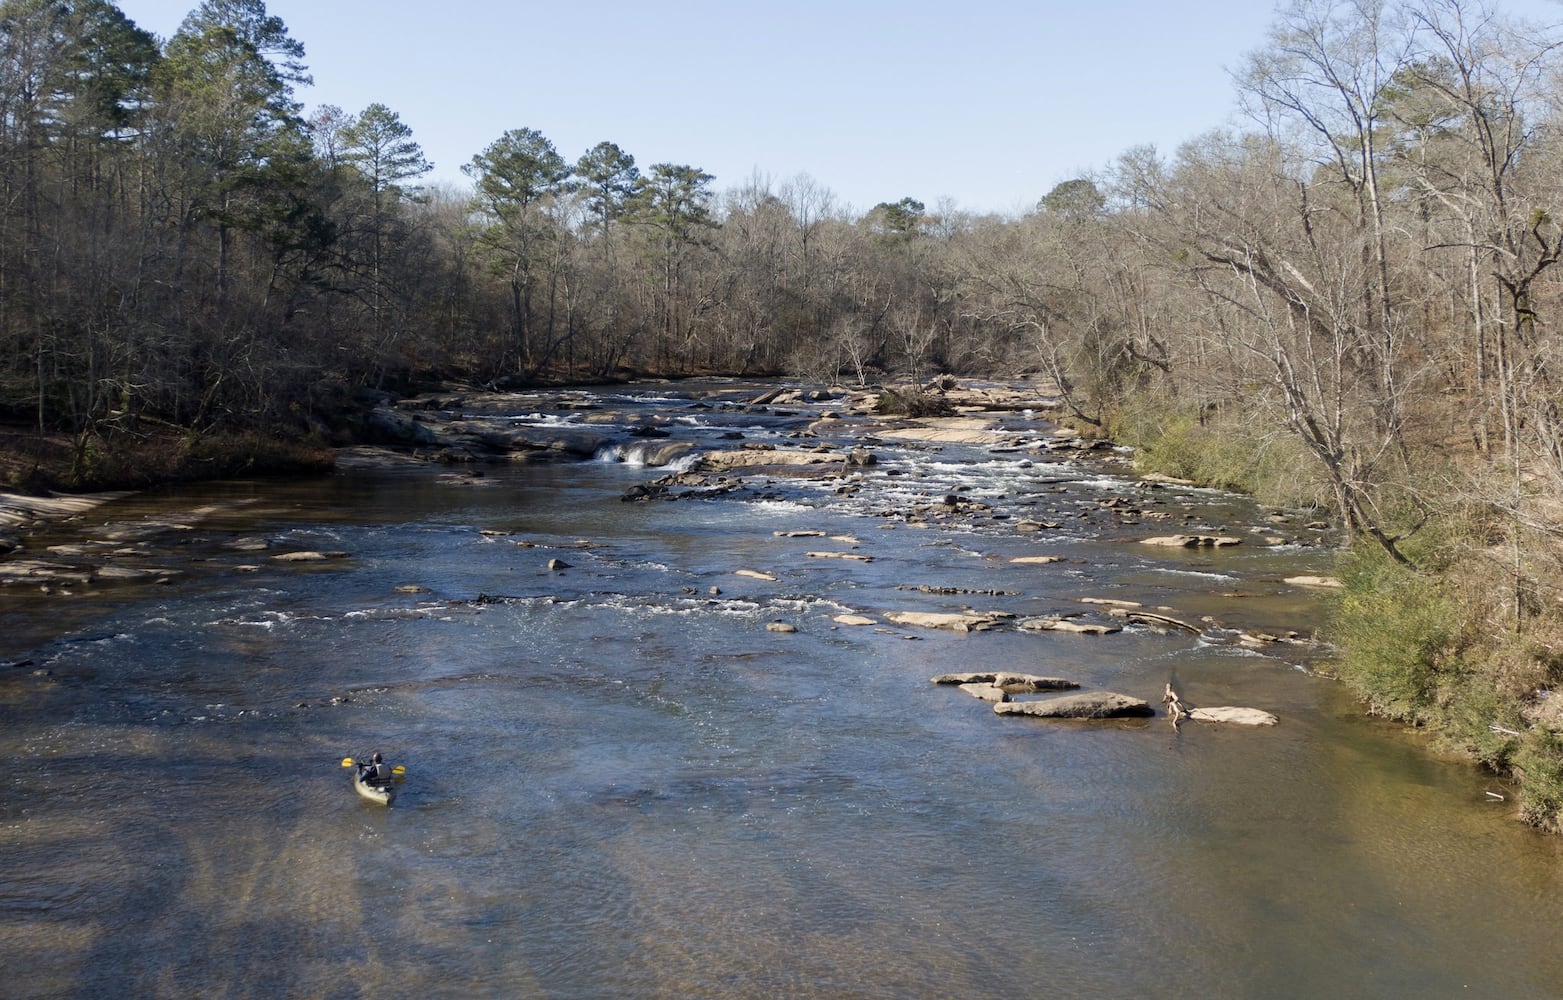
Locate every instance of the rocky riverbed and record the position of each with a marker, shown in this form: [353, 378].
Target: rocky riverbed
[736, 443]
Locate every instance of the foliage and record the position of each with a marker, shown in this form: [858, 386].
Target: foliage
[1400, 638]
[1216, 447]
[1539, 764]
[912, 403]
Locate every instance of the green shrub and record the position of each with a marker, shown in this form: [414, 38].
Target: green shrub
[1221, 449]
[1539, 766]
[1398, 635]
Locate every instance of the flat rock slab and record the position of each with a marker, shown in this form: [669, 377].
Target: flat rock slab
[37, 571]
[986, 692]
[1111, 602]
[1068, 625]
[946, 430]
[722, 461]
[854, 620]
[1237, 716]
[1036, 560]
[1094, 705]
[19, 509]
[1192, 541]
[1011, 682]
[952, 622]
[1329, 582]
[309, 556]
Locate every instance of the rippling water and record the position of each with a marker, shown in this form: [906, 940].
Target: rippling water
[621, 783]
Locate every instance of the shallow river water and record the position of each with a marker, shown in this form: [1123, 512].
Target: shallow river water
[621, 783]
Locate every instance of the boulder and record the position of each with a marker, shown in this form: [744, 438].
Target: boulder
[389, 426]
[1094, 705]
[785, 627]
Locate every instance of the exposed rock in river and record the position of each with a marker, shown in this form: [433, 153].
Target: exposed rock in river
[1057, 624]
[1094, 705]
[987, 692]
[1238, 716]
[1193, 541]
[1329, 582]
[954, 622]
[1012, 683]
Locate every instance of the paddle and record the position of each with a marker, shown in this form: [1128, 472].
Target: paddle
[398, 769]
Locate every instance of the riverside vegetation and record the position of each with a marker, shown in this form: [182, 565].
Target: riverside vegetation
[1350, 303]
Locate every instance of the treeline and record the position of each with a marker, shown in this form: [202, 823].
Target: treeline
[1350, 301]
[179, 240]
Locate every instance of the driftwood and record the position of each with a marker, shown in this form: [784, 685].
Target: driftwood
[1155, 620]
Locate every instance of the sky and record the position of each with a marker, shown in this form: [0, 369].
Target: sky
[984, 103]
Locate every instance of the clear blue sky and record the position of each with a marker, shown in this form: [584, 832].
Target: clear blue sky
[987, 102]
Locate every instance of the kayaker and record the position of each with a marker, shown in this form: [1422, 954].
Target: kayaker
[375, 772]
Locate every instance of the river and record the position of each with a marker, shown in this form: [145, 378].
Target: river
[623, 780]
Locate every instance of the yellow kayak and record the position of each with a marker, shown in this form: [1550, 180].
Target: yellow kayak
[374, 792]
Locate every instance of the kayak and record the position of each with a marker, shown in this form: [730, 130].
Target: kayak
[380, 793]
